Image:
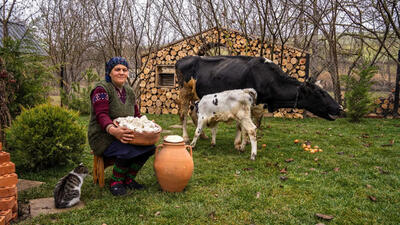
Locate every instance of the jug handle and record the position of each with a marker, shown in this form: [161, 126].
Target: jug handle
[190, 147]
[157, 150]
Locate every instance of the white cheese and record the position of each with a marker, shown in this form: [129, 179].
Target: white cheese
[137, 124]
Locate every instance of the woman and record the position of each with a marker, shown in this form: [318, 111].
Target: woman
[110, 99]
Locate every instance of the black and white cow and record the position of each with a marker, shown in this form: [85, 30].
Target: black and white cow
[200, 75]
[226, 106]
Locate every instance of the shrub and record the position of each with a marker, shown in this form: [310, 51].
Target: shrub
[30, 76]
[79, 97]
[45, 136]
[357, 96]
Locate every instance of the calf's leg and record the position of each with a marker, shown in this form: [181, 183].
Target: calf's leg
[193, 115]
[199, 129]
[184, 128]
[250, 129]
[238, 136]
[213, 135]
[244, 140]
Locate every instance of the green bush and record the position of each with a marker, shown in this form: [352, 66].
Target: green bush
[357, 96]
[79, 97]
[45, 136]
[30, 74]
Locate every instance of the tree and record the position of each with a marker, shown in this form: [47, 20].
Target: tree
[379, 27]
[67, 31]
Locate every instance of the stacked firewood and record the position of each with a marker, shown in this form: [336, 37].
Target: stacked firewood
[289, 113]
[384, 107]
[156, 99]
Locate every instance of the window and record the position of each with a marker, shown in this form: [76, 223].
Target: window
[165, 76]
[219, 50]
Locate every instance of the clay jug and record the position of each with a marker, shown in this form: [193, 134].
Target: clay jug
[173, 164]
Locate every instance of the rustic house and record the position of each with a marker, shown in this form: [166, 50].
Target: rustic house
[158, 84]
[18, 31]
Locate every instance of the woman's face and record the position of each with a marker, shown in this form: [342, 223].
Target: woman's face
[119, 74]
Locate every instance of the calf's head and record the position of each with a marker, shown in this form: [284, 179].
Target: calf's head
[319, 102]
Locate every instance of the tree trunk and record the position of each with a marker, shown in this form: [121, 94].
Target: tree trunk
[62, 72]
[334, 72]
[396, 92]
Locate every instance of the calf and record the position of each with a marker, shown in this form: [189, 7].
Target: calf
[226, 106]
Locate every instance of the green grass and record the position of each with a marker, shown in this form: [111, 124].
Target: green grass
[228, 188]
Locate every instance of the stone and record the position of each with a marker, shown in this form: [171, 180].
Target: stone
[44, 206]
[27, 184]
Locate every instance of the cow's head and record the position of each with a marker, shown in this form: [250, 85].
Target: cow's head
[319, 102]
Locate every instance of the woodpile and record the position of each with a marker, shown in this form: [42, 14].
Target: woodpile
[383, 107]
[289, 113]
[157, 98]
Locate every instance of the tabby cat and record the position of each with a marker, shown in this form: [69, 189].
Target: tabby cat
[68, 189]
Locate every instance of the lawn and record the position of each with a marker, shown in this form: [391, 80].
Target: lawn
[356, 179]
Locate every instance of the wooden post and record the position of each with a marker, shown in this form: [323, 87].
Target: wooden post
[307, 65]
[396, 92]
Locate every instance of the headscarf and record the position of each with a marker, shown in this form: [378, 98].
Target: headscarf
[112, 63]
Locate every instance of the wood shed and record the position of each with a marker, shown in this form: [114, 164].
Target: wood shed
[158, 82]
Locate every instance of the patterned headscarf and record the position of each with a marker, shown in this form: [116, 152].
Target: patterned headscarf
[112, 63]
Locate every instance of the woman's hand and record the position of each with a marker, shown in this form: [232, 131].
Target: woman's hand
[123, 134]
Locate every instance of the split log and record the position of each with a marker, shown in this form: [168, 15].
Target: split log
[158, 111]
[174, 111]
[165, 110]
[151, 110]
[163, 98]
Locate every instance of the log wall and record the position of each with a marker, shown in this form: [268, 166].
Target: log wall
[384, 107]
[156, 99]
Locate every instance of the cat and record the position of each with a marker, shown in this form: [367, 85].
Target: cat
[68, 189]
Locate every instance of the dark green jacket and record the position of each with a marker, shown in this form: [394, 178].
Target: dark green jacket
[99, 139]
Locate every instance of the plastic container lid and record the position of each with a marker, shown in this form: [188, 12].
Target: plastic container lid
[173, 138]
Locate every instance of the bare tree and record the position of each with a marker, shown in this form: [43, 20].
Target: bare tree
[189, 17]
[146, 33]
[7, 9]
[67, 31]
[379, 26]
[17, 11]
[112, 26]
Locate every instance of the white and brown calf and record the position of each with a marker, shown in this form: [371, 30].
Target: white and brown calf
[226, 106]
